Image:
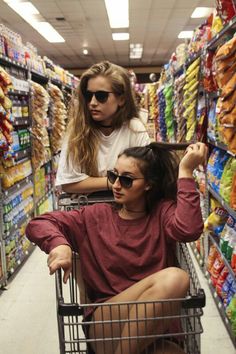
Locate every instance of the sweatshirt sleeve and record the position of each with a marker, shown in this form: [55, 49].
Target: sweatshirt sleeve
[57, 228]
[182, 221]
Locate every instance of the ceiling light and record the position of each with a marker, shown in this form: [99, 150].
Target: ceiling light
[22, 8]
[47, 31]
[85, 51]
[136, 51]
[118, 13]
[28, 11]
[201, 12]
[120, 36]
[185, 34]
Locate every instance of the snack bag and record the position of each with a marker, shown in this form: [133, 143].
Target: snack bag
[217, 219]
[216, 270]
[228, 238]
[225, 10]
[226, 290]
[213, 253]
[220, 281]
[233, 260]
[231, 313]
[227, 179]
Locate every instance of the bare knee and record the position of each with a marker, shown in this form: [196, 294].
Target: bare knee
[173, 282]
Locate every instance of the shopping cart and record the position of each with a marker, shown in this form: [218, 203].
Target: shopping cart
[72, 304]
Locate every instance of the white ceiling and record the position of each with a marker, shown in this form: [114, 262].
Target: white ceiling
[154, 23]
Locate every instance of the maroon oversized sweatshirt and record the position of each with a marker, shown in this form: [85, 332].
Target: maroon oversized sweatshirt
[115, 253]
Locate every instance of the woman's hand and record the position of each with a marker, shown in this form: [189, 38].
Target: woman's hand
[60, 257]
[195, 155]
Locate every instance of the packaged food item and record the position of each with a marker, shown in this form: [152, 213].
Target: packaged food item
[229, 87]
[216, 269]
[213, 253]
[226, 50]
[233, 194]
[217, 218]
[231, 313]
[220, 281]
[227, 179]
[225, 10]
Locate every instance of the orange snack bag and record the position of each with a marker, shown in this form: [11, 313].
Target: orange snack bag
[233, 194]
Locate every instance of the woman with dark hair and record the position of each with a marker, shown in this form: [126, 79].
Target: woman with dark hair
[104, 121]
[127, 251]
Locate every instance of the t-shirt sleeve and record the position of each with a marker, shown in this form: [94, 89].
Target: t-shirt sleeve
[140, 135]
[66, 173]
[182, 221]
[57, 228]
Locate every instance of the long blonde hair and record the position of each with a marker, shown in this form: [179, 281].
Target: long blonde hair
[82, 131]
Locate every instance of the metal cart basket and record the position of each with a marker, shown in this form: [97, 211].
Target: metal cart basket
[71, 305]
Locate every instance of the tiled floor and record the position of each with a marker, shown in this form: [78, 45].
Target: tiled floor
[28, 314]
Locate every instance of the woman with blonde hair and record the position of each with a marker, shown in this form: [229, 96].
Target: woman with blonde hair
[103, 123]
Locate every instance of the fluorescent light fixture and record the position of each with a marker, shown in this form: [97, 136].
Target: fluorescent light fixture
[120, 36]
[185, 34]
[201, 12]
[136, 51]
[118, 13]
[28, 11]
[47, 31]
[22, 8]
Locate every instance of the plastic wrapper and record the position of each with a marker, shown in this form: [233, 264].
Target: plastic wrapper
[225, 10]
[233, 194]
[217, 218]
[227, 179]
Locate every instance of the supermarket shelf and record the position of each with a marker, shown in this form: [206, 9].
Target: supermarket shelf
[2, 282]
[27, 253]
[197, 255]
[22, 154]
[4, 60]
[221, 308]
[56, 82]
[39, 78]
[18, 225]
[216, 40]
[43, 198]
[67, 88]
[18, 92]
[18, 121]
[221, 146]
[17, 186]
[221, 201]
[213, 240]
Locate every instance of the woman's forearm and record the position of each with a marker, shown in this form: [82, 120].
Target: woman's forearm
[89, 185]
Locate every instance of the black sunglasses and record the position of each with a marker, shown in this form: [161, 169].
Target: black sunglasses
[101, 96]
[125, 181]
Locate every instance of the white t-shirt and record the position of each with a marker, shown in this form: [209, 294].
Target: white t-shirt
[110, 147]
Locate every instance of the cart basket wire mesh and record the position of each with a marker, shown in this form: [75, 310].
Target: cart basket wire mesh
[183, 319]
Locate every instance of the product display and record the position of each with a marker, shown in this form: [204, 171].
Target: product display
[33, 117]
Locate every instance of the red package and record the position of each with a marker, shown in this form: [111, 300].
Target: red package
[208, 79]
[211, 257]
[220, 281]
[225, 10]
[216, 269]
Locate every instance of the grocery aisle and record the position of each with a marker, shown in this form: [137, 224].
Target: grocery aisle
[28, 316]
